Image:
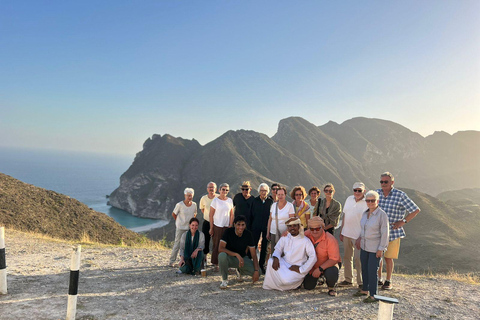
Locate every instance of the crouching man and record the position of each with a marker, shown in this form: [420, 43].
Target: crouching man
[293, 258]
[328, 256]
[233, 252]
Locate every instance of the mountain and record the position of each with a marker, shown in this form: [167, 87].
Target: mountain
[28, 208]
[359, 149]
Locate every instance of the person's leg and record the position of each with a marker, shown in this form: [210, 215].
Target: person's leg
[310, 282]
[391, 254]
[358, 266]
[225, 262]
[347, 259]
[263, 250]
[331, 276]
[176, 245]
[206, 232]
[248, 268]
[364, 260]
[273, 242]
[372, 267]
[197, 262]
[217, 235]
[380, 267]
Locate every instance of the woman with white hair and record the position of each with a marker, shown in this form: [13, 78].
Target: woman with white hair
[260, 213]
[183, 212]
[221, 218]
[373, 242]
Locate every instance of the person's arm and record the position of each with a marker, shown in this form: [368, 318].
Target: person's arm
[343, 223]
[312, 259]
[231, 218]
[256, 265]
[195, 212]
[268, 226]
[385, 234]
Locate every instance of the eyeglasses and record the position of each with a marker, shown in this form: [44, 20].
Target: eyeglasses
[384, 181]
[274, 189]
[328, 191]
[225, 189]
[263, 190]
[298, 194]
[357, 190]
[245, 189]
[315, 229]
[371, 200]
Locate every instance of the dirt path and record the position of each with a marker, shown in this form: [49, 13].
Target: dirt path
[124, 283]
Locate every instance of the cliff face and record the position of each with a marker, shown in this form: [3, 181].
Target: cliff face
[359, 149]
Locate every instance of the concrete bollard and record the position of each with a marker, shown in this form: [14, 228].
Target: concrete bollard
[73, 287]
[3, 263]
[385, 307]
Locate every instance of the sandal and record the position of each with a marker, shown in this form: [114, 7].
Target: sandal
[332, 293]
[369, 299]
[359, 293]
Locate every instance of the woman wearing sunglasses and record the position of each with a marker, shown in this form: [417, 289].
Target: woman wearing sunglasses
[329, 209]
[372, 243]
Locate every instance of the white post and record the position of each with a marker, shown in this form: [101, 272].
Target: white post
[3, 263]
[385, 310]
[73, 287]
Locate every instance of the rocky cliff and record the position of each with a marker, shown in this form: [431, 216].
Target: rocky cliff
[299, 153]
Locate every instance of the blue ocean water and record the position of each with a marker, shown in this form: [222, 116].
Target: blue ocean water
[87, 177]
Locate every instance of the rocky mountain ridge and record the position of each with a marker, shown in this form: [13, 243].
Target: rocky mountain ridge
[359, 149]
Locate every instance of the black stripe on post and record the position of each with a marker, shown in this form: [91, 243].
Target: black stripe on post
[3, 262]
[73, 287]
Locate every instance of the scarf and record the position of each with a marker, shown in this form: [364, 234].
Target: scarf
[189, 246]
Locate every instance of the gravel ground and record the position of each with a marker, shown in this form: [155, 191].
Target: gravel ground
[126, 283]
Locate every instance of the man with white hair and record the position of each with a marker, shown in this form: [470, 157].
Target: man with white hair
[205, 203]
[353, 210]
[293, 258]
[183, 212]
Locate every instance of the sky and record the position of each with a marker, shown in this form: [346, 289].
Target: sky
[103, 76]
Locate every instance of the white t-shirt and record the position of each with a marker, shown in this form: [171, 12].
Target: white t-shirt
[283, 216]
[221, 218]
[184, 214]
[353, 212]
[205, 203]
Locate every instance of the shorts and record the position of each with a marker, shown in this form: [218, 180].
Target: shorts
[393, 249]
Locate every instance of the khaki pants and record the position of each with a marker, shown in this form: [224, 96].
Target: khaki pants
[351, 252]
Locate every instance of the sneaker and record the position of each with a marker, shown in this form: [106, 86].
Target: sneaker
[387, 285]
[224, 284]
[178, 271]
[380, 282]
[345, 283]
[239, 276]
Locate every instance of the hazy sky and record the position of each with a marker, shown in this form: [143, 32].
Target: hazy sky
[104, 76]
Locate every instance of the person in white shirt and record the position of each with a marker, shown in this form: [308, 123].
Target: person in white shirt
[293, 258]
[183, 212]
[205, 203]
[353, 210]
[280, 212]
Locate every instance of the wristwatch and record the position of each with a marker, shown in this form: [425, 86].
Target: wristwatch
[404, 220]
[321, 269]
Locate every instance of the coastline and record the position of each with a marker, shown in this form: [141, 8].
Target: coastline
[149, 227]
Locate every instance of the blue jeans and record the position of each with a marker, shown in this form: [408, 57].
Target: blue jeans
[370, 264]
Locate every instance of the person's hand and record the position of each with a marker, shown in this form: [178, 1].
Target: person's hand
[194, 254]
[379, 253]
[255, 276]
[241, 263]
[295, 268]
[341, 237]
[316, 273]
[211, 232]
[357, 243]
[268, 236]
[284, 234]
[398, 224]
[181, 263]
[275, 264]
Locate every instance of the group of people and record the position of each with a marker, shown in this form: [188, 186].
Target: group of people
[301, 233]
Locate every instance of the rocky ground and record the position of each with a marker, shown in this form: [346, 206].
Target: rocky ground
[129, 283]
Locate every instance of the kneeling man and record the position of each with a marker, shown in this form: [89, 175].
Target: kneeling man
[233, 252]
[293, 258]
[328, 256]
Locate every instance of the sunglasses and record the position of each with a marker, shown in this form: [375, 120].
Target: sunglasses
[274, 188]
[245, 189]
[384, 181]
[371, 200]
[315, 229]
[328, 191]
[357, 190]
[225, 189]
[298, 194]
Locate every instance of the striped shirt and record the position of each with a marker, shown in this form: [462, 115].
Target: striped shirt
[395, 205]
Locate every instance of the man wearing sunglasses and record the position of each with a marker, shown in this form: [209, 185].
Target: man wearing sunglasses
[353, 210]
[396, 204]
[242, 203]
[328, 256]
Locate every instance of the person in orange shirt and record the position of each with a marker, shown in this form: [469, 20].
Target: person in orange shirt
[328, 256]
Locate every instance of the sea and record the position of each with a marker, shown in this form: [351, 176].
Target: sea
[87, 177]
